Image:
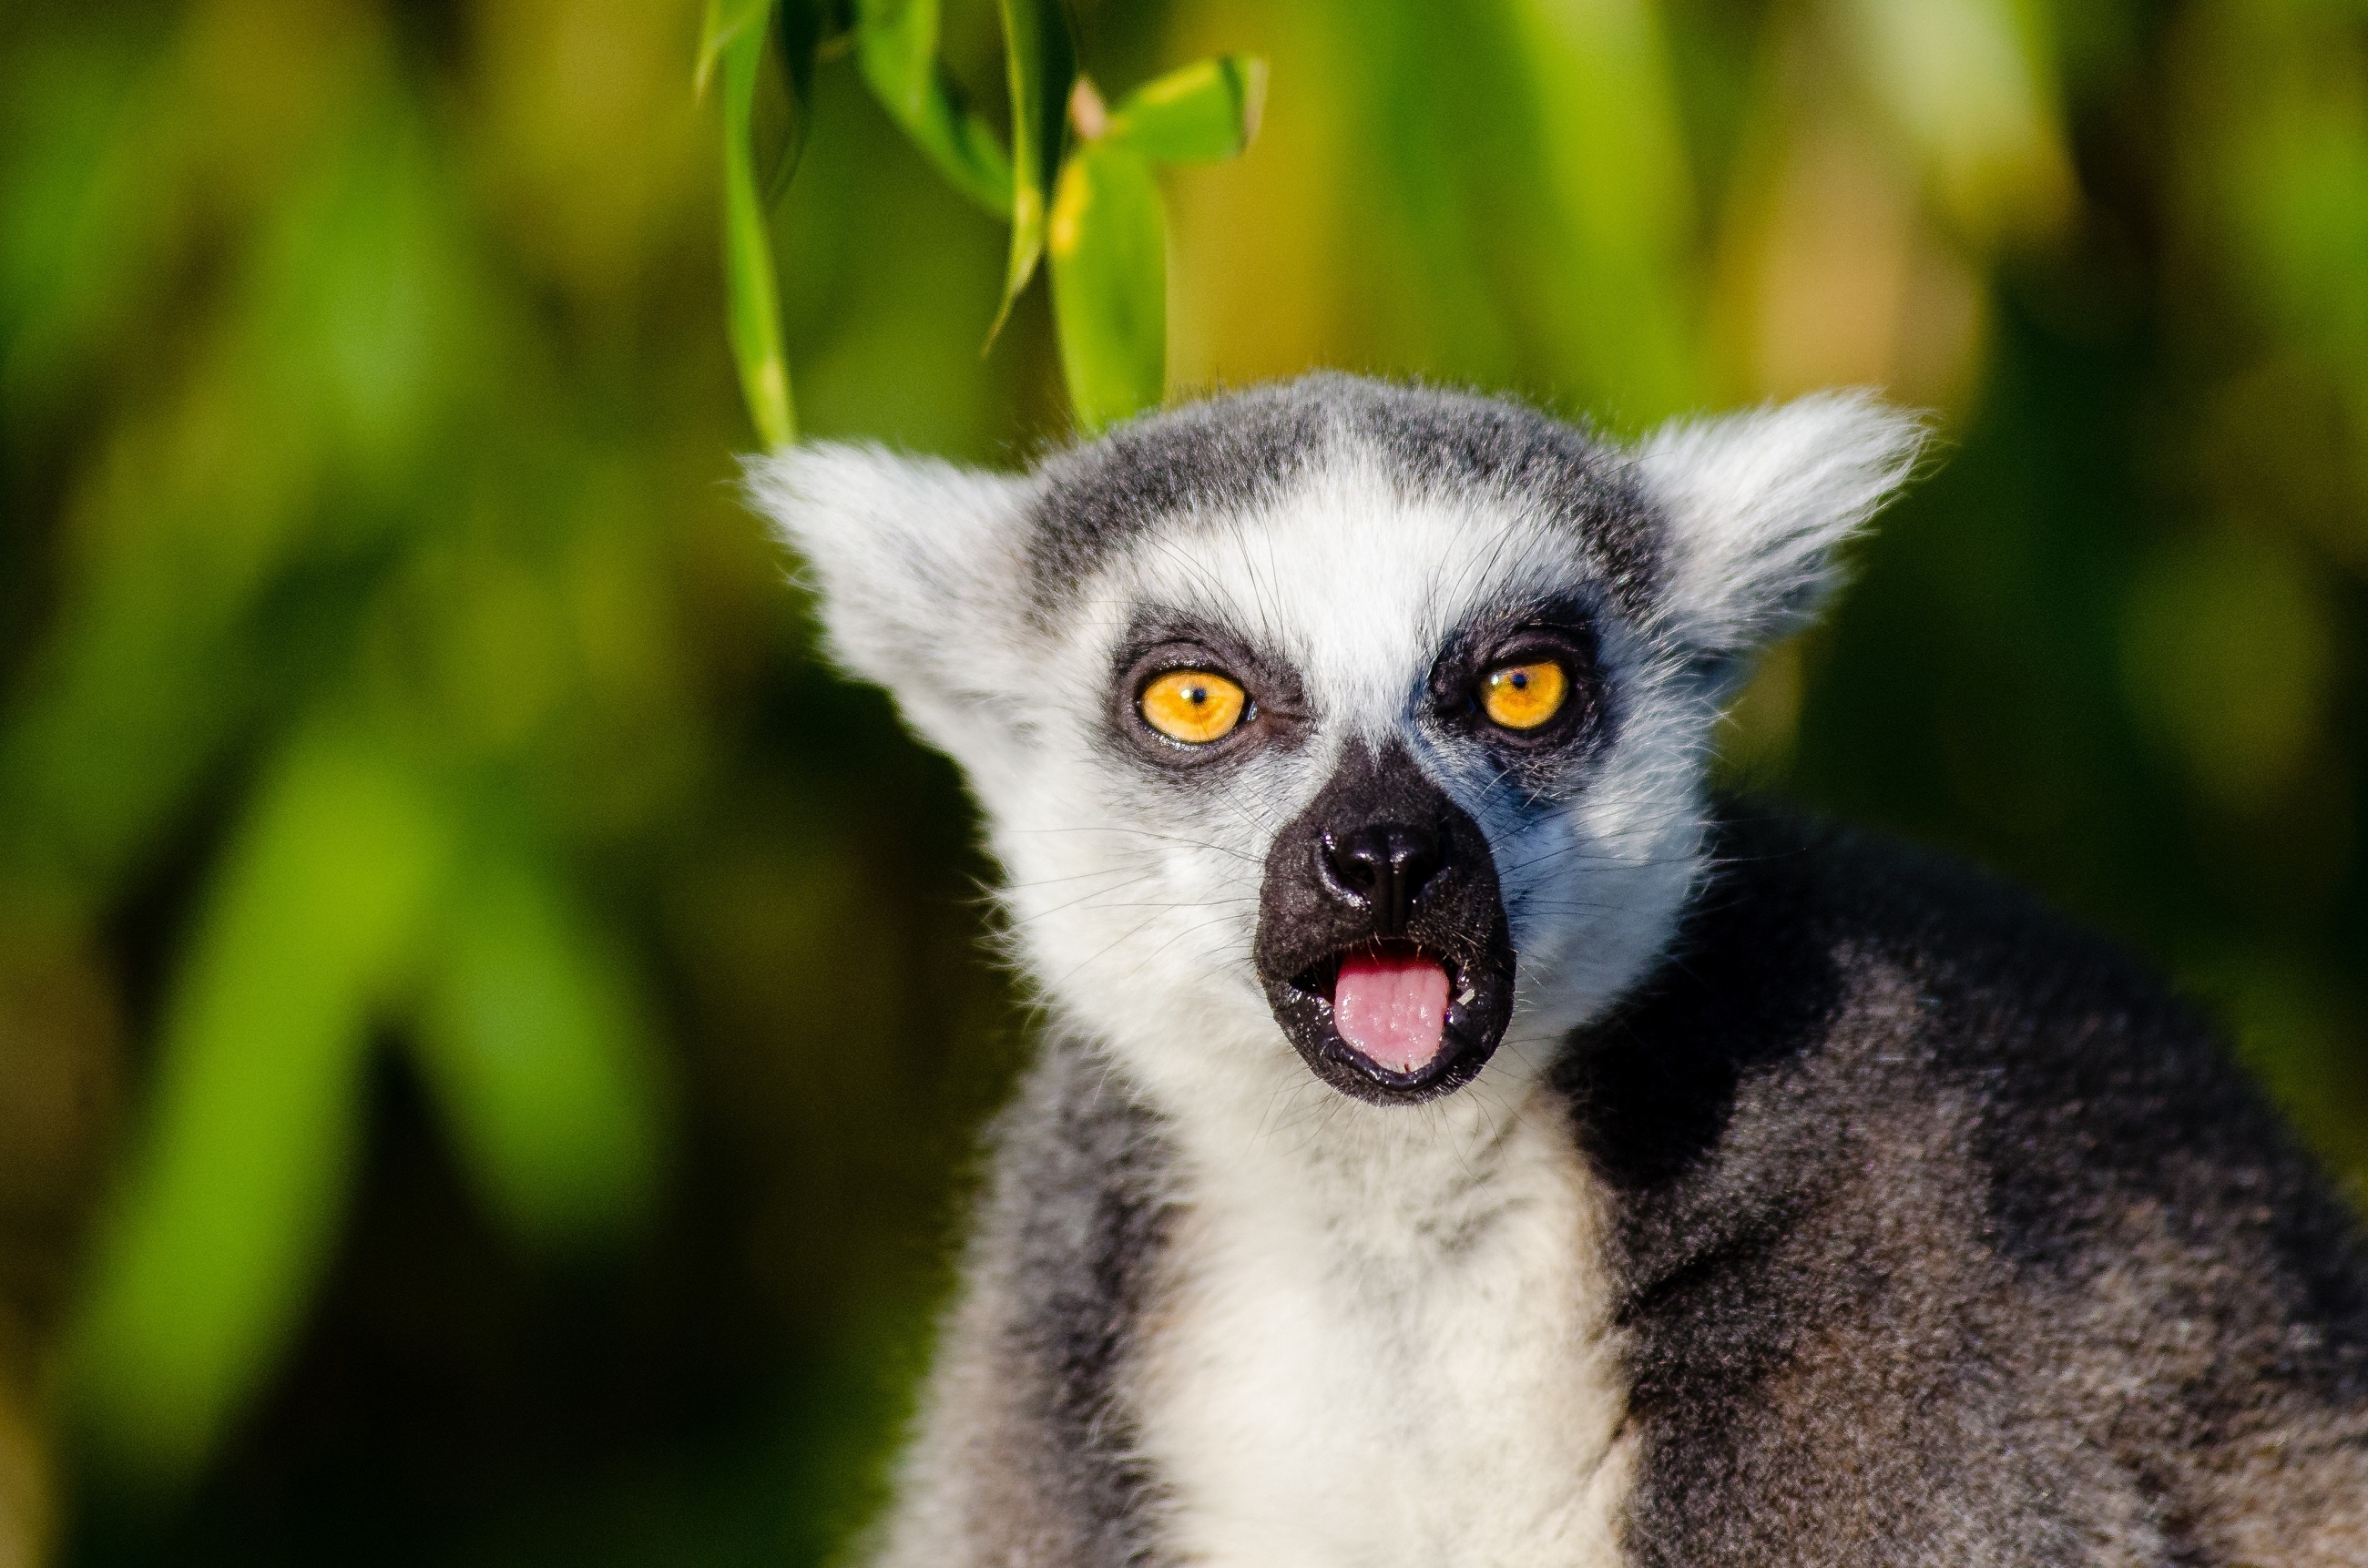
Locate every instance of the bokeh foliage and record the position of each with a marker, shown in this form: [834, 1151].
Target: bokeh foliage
[517, 1022]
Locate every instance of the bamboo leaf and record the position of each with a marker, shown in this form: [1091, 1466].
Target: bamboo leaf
[537, 1050]
[752, 289]
[1206, 111]
[1109, 244]
[1041, 58]
[897, 48]
[234, 1201]
[725, 20]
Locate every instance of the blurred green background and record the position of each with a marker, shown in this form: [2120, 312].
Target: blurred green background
[491, 1032]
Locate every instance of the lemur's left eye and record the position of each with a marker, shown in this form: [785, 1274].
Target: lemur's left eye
[1193, 706]
[1524, 696]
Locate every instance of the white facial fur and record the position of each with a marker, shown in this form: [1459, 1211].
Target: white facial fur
[1133, 896]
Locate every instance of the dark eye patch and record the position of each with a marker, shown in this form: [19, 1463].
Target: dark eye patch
[1560, 630]
[1160, 642]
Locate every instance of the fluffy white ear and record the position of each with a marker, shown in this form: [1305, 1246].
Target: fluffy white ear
[921, 572]
[1758, 503]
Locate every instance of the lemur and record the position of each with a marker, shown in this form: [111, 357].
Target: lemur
[1461, 1137]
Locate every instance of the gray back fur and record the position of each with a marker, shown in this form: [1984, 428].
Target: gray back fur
[1949, 1236]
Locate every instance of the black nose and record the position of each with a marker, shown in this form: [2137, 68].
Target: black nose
[1382, 866]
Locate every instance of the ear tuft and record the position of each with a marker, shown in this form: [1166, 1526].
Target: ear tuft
[919, 566]
[1758, 503]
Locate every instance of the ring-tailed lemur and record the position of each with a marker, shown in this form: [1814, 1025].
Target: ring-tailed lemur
[1461, 1140]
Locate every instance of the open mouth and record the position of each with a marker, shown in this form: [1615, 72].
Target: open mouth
[1394, 1019]
[1389, 1003]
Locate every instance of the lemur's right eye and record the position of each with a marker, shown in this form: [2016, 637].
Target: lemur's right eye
[1193, 706]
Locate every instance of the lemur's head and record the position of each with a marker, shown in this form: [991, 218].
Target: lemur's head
[1337, 723]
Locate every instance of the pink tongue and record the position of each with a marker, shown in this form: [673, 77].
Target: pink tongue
[1392, 1006]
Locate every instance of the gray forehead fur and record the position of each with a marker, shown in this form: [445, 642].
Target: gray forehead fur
[1230, 453]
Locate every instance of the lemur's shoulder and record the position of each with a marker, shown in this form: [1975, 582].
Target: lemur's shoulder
[1025, 1450]
[1885, 1137]
[1865, 984]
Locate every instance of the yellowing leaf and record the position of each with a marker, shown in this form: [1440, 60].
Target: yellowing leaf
[1206, 111]
[1109, 241]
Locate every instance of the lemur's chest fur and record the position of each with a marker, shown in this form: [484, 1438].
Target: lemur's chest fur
[1422, 1376]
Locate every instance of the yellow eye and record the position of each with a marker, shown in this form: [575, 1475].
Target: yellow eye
[1193, 706]
[1522, 697]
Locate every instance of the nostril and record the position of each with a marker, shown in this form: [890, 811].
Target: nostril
[1355, 860]
[1382, 866]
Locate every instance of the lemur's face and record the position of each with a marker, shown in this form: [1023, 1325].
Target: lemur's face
[1389, 766]
[1337, 728]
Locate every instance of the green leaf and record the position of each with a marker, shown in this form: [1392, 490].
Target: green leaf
[234, 1199]
[725, 22]
[1206, 111]
[782, 102]
[1041, 58]
[897, 48]
[536, 1047]
[752, 290]
[1109, 242]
